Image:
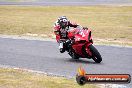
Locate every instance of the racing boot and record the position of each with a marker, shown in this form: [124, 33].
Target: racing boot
[61, 47]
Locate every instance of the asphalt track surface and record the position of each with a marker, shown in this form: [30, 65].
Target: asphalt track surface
[44, 56]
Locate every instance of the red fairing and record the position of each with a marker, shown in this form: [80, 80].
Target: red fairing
[78, 49]
[82, 38]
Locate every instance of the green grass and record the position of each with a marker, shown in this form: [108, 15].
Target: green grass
[106, 22]
[11, 78]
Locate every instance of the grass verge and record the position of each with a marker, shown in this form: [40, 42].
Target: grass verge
[106, 22]
[12, 78]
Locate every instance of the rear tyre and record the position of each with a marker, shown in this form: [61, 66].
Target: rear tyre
[96, 55]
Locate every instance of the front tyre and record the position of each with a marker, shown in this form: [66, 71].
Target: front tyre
[95, 54]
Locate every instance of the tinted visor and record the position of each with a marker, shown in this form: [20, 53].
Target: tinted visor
[64, 24]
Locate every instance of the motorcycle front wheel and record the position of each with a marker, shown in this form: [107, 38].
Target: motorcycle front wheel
[95, 54]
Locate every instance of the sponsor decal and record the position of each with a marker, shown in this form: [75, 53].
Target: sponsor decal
[82, 78]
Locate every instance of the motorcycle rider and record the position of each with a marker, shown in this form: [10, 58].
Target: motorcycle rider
[61, 28]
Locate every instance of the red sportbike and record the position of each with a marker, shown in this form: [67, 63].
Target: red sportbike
[80, 44]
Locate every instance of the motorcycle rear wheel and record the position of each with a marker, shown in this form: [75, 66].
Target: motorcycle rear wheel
[96, 55]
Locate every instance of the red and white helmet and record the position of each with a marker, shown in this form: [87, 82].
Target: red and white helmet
[63, 21]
